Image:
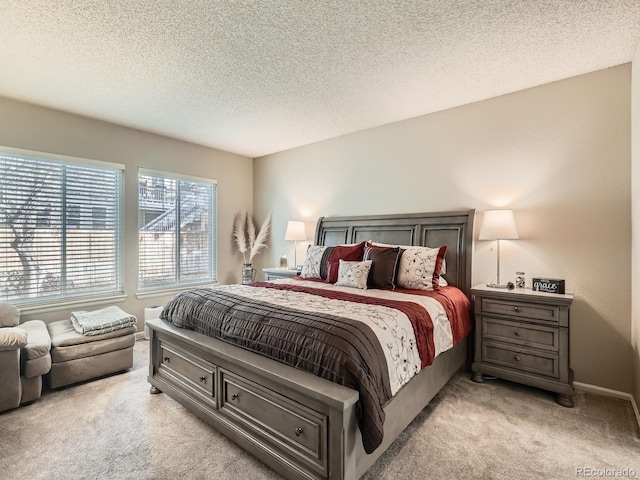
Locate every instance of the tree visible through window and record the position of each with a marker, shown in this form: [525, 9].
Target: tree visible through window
[60, 229]
[176, 222]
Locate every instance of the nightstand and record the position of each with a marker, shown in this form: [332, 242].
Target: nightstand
[523, 336]
[275, 273]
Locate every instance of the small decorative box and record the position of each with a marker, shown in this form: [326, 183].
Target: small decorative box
[549, 285]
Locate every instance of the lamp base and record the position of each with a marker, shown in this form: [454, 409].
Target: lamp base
[495, 285]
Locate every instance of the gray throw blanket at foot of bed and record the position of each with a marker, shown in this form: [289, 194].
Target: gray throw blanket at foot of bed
[101, 321]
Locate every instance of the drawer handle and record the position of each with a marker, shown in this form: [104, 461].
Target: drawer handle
[167, 359]
[203, 379]
[516, 309]
[234, 396]
[516, 358]
[298, 431]
[517, 333]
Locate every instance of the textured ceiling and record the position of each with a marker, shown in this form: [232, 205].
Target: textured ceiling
[257, 77]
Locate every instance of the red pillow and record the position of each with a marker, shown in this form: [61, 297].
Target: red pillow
[350, 253]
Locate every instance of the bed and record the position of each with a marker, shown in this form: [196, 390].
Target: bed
[302, 425]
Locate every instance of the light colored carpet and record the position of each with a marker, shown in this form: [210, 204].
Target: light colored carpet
[112, 428]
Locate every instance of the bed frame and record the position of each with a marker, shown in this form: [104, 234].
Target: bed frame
[301, 425]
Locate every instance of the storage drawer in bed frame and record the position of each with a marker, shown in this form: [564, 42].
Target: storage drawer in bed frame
[296, 429]
[198, 375]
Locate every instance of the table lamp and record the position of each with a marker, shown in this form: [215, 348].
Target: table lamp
[498, 225]
[295, 232]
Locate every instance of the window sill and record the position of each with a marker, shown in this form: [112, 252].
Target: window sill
[172, 291]
[70, 304]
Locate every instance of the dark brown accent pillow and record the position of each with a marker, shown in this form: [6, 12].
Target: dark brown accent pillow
[324, 267]
[383, 267]
[350, 253]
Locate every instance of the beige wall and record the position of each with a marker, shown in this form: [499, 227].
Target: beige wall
[559, 155]
[635, 188]
[35, 128]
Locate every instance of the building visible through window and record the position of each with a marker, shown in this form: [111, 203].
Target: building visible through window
[176, 230]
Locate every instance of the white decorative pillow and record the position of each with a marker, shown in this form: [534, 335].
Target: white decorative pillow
[420, 268]
[353, 274]
[313, 262]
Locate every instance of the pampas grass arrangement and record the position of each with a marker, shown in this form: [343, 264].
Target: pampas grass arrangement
[244, 231]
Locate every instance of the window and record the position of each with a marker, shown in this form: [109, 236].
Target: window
[60, 228]
[175, 252]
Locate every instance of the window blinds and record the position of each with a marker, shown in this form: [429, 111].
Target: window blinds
[176, 222]
[60, 229]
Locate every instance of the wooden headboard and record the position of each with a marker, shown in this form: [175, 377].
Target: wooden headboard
[453, 229]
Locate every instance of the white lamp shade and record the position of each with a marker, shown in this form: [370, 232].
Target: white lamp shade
[295, 231]
[498, 225]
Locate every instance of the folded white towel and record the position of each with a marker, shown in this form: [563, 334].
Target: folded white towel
[103, 320]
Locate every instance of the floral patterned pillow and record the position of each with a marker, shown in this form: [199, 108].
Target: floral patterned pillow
[353, 274]
[312, 267]
[420, 268]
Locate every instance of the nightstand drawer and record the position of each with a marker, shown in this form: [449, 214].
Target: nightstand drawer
[538, 362]
[545, 313]
[535, 336]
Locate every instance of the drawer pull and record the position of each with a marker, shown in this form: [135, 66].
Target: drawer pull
[203, 379]
[517, 333]
[516, 358]
[167, 359]
[298, 431]
[516, 309]
[234, 396]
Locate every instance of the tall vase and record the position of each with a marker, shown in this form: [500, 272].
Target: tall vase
[248, 273]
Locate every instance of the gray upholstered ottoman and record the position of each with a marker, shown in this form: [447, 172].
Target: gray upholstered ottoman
[76, 357]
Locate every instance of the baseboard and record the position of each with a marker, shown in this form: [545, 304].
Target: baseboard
[607, 392]
[140, 336]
